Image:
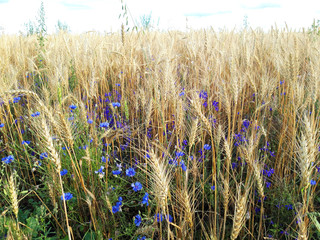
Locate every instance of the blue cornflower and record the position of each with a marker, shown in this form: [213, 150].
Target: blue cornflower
[145, 199]
[8, 159]
[142, 238]
[16, 99]
[169, 217]
[118, 84]
[67, 196]
[137, 220]
[313, 182]
[215, 105]
[1, 125]
[207, 147]
[72, 106]
[158, 217]
[104, 124]
[100, 171]
[234, 165]
[130, 172]
[246, 123]
[213, 188]
[203, 94]
[136, 186]
[183, 166]
[116, 104]
[115, 209]
[179, 154]
[116, 172]
[90, 121]
[25, 142]
[43, 155]
[268, 184]
[289, 207]
[103, 159]
[36, 114]
[63, 172]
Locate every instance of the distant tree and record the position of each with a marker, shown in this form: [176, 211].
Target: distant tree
[62, 27]
[30, 28]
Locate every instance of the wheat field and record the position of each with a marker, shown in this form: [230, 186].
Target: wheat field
[160, 135]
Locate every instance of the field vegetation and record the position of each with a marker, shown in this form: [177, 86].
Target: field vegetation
[160, 135]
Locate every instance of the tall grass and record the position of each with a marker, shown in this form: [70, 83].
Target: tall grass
[220, 129]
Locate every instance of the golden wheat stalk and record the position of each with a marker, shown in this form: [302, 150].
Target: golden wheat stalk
[239, 213]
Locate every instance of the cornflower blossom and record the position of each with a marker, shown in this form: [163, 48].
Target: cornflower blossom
[36, 114]
[313, 182]
[183, 166]
[145, 199]
[16, 99]
[63, 172]
[215, 105]
[100, 172]
[130, 172]
[142, 238]
[104, 125]
[43, 155]
[72, 107]
[116, 104]
[1, 125]
[8, 159]
[117, 207]
[25, 142]
[136, 186]
[67, 196]
[137, 220]
[207, 147]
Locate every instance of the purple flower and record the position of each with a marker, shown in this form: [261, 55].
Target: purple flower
[115, 209]
[116, 104]
[90, 121]
[145, 199]
[67, 196]
[213, 188]
[142, 238]
[1, 125]
[8, 159]
[116, 172]
[207, 147]
[25, 142]
[158, 217]
[179, 154]
[137, 220]
[136, 186]
[246, 123]
[100, 171]
[43, 155]
[36, 114]
[130, 172]
[203, 94]
[63, 172]
[72, 106]
[169, 217]
[104, 125]
[313, 182]
[268, 184]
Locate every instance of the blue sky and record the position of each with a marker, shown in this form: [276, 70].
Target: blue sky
[102, 15]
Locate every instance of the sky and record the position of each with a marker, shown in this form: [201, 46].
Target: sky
[103, 15]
